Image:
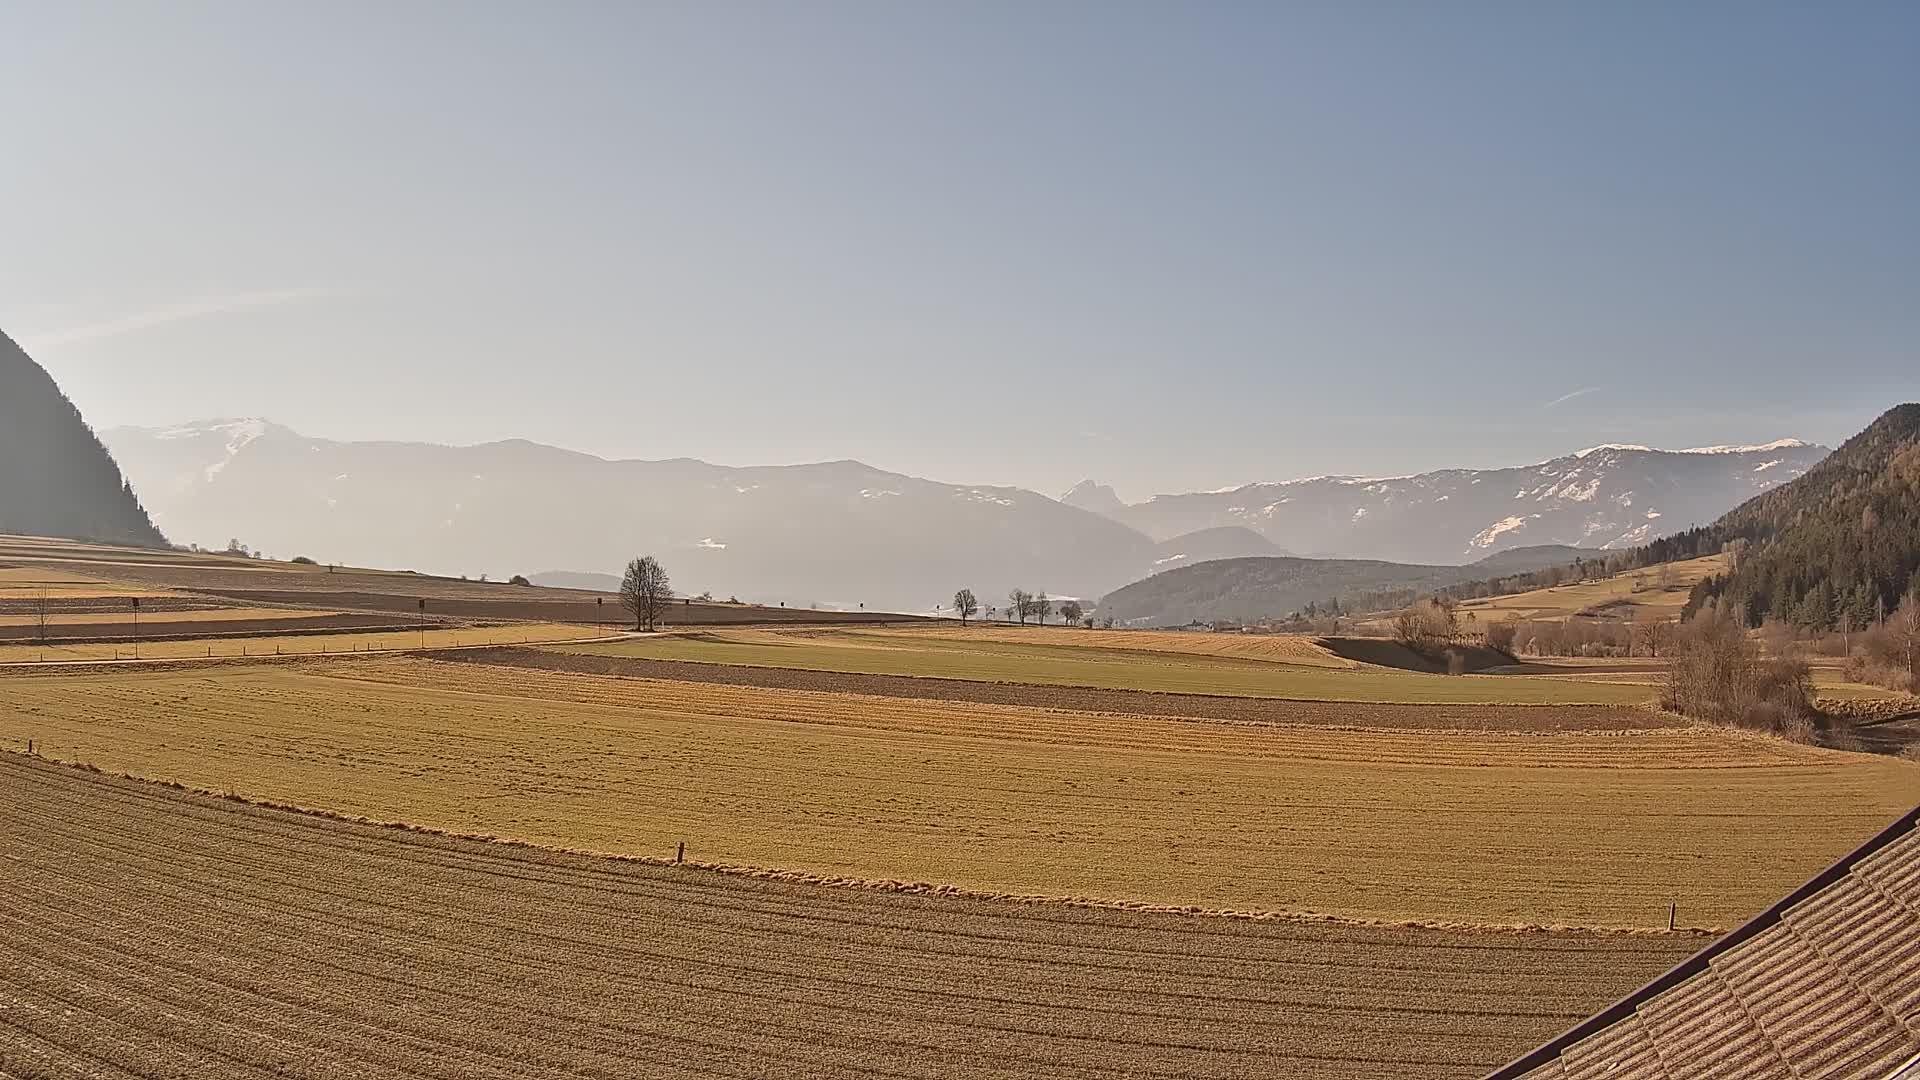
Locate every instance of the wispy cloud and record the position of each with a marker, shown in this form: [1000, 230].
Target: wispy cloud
[172, 313]
[1564, 398]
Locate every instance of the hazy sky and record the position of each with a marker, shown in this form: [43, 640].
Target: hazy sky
[1172, 246]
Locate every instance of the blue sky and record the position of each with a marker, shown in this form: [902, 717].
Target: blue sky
[1170, 246]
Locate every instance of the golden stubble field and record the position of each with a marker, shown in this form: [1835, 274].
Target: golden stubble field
[1197, 664]
[1587, 828]
[28, 584]
[151, 933]
[1296, 649]
[1652, 592]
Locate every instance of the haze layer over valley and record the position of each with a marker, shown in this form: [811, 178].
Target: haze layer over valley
[847, 534]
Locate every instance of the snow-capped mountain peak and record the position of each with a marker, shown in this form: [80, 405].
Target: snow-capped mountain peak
[1777, 444]
[1614, 495]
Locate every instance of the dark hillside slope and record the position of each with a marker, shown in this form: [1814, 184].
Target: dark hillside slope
[55, 477]
[1840, 543]
[1244, 589]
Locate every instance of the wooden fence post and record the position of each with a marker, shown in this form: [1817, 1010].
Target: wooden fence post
[681, 856]
[1673, 910]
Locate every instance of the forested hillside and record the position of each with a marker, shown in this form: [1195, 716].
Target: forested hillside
[1836, 548]
[1255, 589]
[55, 477]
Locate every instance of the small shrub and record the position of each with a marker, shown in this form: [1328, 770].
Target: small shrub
[304, 561]
[519, 579]
[1798, 729]
[1841, 736]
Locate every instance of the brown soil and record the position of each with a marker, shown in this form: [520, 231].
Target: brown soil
[88, 605]
[1084, 699]
[149, 932]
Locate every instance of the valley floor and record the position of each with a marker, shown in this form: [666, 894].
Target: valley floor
[911, 851]
[1510, 827]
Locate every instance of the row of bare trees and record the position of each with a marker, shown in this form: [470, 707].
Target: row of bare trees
[1427, 626]
[1022, 605]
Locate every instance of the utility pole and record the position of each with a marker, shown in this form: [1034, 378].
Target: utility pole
[423, 622]
[136, 628]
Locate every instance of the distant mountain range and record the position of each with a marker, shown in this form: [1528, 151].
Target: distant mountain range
[1609, 496]
[846, 534]
[55, 477]
[839, 533]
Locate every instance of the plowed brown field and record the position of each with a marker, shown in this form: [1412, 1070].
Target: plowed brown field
[339, 636]
[150, 933]
[1579, 828]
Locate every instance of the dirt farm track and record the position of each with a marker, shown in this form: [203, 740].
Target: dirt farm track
[151, 932]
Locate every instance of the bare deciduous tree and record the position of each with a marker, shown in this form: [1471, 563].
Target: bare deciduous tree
[645, 591]
[1650, 635]
[1041, 605]
[1904, 627]
[966, 604]
[40, 614]
[1020, 604]
[1890, 652]
[1427, 625]
[1070, 612]
[1501, 635]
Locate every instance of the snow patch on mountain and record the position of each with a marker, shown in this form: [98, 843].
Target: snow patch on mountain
[1500, 528]
[240, 434]
[1777, 444]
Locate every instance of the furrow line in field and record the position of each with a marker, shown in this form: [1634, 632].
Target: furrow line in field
[1449, 1010]
[147, 896]
[929, 1016]
[617, 879]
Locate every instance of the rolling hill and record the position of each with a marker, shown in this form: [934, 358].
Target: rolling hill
[1245, 590]
[56, 479]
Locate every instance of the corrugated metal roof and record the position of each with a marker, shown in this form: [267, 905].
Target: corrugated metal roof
[1825, 985]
